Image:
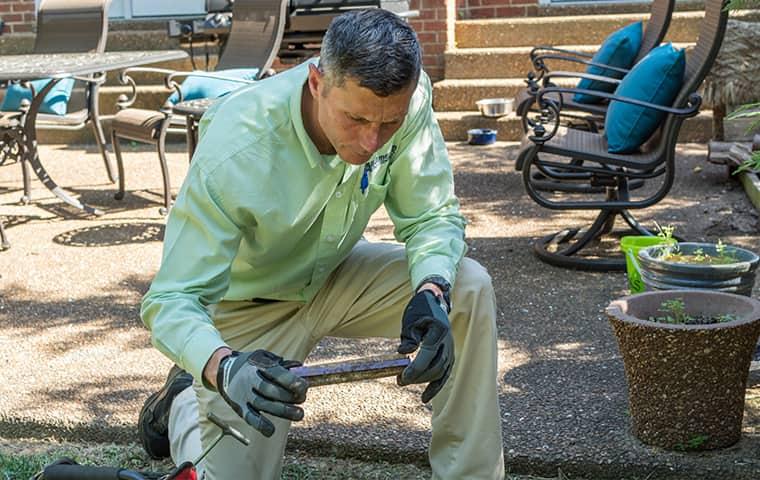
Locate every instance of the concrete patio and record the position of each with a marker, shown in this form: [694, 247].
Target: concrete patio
[78, 364]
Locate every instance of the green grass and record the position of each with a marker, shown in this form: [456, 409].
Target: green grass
[21, 460]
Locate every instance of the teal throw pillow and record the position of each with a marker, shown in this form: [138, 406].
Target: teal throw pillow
[657, 78]
[55, 102]
[195, 87]
[619, 49]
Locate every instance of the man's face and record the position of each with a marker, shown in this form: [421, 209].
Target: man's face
[355, 120]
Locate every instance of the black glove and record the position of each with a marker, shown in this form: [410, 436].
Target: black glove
[255, 382]
[426, 325]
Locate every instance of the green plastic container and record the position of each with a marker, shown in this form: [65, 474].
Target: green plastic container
[630, 245]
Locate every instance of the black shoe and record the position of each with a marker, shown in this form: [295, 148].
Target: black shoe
[154, 415]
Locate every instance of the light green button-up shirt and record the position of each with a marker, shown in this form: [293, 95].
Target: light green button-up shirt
[262, 214]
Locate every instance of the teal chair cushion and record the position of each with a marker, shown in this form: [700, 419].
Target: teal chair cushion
[195, 87]
[55, 102]
[619, 49]
[657, 78]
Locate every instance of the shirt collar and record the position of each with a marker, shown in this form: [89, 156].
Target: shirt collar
[312, 154]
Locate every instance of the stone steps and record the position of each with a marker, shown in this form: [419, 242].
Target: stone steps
[570, 30]
[508, 62]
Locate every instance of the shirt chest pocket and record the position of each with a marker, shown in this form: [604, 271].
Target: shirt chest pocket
[374, 195]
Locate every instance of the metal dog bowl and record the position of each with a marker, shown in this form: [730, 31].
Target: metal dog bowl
[494, 107]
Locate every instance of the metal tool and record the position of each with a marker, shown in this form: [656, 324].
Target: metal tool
[353, 370]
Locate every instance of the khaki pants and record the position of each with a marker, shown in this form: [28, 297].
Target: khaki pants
[364, 297]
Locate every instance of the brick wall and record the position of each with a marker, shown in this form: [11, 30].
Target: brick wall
[433, 32]
[18, 15]
[472, 9]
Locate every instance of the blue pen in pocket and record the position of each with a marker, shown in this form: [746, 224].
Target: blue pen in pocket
[365, 178]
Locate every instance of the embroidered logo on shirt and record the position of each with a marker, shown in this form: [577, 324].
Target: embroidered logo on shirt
[374, 164]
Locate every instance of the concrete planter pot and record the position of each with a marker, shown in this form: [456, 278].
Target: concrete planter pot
[658, 273]
[686, 383]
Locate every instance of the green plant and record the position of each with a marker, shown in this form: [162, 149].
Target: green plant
[742, 4]
[693, 443]
[666, 232]
[750, 110]
[675, 312]
[723, 255]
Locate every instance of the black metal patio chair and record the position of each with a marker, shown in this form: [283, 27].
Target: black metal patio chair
[578, 173]
[542, 57]
[73, 26]
[257, 30]
[11, 147]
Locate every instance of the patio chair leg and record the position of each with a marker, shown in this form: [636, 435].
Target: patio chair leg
[119, 164]
[4, 244]
[161, 147]
[100, 139]
[26, 198]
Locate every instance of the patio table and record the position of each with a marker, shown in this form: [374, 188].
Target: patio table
[193, 110]
[59, 66]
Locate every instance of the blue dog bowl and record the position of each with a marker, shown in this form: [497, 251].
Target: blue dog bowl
[481, 136]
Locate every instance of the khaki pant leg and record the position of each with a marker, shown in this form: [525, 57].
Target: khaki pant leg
[246, 326]
[366, 297]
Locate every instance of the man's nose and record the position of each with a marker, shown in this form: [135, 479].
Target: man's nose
[370, 138]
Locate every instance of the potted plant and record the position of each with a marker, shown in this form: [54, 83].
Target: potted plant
[686, 355]
[711, 266]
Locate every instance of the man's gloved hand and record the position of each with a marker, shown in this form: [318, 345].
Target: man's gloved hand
[426, 325]
[259, 381]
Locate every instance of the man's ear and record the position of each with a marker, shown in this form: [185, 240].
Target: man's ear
[316, 79]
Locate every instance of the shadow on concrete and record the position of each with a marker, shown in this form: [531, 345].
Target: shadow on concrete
[121, 233]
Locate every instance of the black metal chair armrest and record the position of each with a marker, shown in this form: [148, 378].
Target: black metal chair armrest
[548, 48]
[540, 65]
[588, 76]
[692, 108]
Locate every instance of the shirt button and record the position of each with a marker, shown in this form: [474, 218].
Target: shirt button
[338, 194]
[330, 238]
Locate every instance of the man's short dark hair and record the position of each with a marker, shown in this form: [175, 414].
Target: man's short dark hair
[375, 48]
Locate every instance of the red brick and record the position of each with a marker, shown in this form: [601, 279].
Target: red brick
[495, 3]
[4, 7]
[507, 12]
[427, 37]
[21, 27]
[13, 17]
[22, 7]
[433, 26]
[433, 48]
[483, 12]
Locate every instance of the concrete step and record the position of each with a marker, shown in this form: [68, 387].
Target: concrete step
[507, 62]
[500, 62]
[571, 30]
[454, 126]
[460, 95]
